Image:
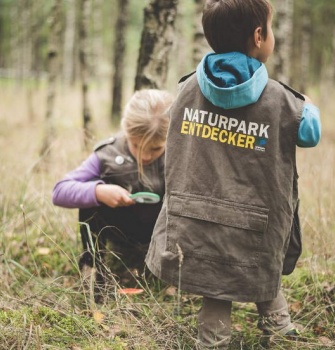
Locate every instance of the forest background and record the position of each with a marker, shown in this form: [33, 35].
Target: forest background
[66, 69]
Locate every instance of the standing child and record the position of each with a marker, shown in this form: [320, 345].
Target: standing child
[132, 161]
[224, 230]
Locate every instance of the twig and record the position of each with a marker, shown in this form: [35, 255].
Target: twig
[181, 259]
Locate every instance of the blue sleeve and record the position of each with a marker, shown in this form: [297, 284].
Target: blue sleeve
[309, 132]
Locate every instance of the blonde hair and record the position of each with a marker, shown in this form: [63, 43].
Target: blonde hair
[146, 116]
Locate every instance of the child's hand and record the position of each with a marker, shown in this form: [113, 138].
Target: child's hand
[113, 195]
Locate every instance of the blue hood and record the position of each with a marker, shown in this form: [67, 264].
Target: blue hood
[231, 80]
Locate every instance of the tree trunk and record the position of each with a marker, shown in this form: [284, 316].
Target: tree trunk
[97, 39]
[283, 32]
[53, 70]
[327, 75]
[27, 20]
[85, 10]
[119, 58]
[305, 46]
[31, 53]
[69, 43]
[200, 45]
[156, 43]
[2, 35]
[16, 43]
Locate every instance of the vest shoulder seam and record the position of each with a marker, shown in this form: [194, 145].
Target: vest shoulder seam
[104, 143]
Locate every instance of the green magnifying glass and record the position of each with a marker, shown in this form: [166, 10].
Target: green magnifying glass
[145, 197]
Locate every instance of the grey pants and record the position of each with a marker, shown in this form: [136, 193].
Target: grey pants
[214, 321]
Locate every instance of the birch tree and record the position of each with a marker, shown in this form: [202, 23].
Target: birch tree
[85, 10]
[333, 60]
[156, 43]
[53, 70]
[200, 45]
[283, 33]
[119, 58]
[69, 42]
[27, 46]
[305, 46]
[2, 41]
[97, 36]
[15, 41]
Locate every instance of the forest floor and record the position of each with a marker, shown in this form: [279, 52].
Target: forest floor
[43, 301]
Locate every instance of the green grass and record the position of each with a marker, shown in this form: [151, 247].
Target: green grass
[43, 303]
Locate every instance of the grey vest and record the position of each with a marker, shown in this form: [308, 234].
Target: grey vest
[231, 182]
[120, 168]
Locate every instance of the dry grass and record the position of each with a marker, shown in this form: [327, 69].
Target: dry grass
[316, 167]
[42, 304]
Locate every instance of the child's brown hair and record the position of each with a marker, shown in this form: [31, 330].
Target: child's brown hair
[229, 24]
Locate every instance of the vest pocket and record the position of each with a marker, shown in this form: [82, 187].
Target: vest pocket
[215, 230]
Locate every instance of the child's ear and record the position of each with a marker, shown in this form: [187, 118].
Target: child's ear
[258, 37]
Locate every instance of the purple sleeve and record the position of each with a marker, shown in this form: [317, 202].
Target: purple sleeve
[77, 188]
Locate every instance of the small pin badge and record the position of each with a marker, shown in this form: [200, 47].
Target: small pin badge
[119, 160]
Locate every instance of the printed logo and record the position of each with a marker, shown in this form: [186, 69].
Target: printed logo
[260, 144]
[231, 131]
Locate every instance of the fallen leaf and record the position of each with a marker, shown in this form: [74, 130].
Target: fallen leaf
[296, 307]
[105, 327]
[98, 316]
[325, 341]
[130, 291]
[171, 291]
[43, 251]
[46, 265]
[238, 327]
